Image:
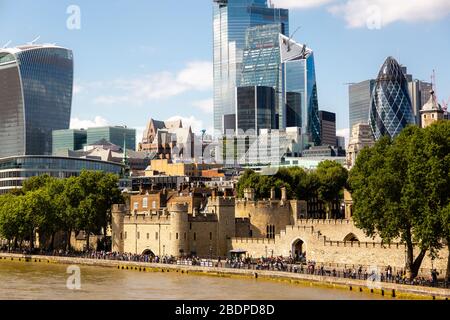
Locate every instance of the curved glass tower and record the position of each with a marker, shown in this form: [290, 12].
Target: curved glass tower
[231, 19]
[36, 83]
[391, 108]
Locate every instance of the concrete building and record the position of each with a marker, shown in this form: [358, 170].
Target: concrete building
[328, 128]
[361, 137]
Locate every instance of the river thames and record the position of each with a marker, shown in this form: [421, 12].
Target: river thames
[48, 281]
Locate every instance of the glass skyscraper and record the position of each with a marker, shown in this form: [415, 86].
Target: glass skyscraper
[360, 97]
[391, 108]
[300, 88]
[70, 139]
[231, 19]
[36, 83]
[262, 63]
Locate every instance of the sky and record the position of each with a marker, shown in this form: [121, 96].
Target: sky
[142, 59]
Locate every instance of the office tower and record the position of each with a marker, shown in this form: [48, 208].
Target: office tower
[255, 109]
[36, 84]
[360, 97]
[69, 139]
[327, 128]
[262, 63]
[420, 95]
[231, 19]
[391, 108]
[340, 142]
[299, 85]
[120, 136]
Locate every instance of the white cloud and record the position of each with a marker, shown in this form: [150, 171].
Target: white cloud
[206, 105]
[300, 4]
[344, 133]
[77, 88]
[76, 123]
[196, 76]
[364, 13]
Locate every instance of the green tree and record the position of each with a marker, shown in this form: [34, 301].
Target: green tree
[396, 188]
[332, 178]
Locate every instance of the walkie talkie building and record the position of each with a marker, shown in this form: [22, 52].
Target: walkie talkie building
[36, 83]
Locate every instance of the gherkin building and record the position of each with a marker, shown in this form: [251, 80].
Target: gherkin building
[391, 107]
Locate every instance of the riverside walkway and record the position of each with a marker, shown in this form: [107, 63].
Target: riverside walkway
[269, 269]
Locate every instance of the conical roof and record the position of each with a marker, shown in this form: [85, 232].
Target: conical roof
[432, 104]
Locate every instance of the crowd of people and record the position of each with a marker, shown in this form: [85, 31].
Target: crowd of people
[264, 263]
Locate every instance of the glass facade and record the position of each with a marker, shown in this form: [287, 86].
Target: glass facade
[255, 108]
[70, 139]
[360, 97]
[115, 135]
[391, 108]
[262, 62]
[300, 78]
[36, 84]
[14, 170]
[231, 19]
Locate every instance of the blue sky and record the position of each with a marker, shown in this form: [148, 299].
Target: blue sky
[151, 58]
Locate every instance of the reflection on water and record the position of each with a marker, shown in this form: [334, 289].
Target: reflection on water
[48, 281]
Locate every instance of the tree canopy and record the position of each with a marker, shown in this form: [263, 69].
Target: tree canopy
[47, 205]
[400, 190]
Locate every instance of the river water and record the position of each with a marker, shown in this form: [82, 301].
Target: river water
[21, 280]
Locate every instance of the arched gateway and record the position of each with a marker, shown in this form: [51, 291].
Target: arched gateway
[298, 249]
[148, 252]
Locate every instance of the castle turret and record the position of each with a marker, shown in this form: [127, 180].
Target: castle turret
[118, 213]
[179, 227]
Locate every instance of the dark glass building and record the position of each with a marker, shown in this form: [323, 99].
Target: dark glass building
[391, 107]
[231, 19]
[120, 136]
[328, 128]
[36, 83]
[255, 108]
[70, 139]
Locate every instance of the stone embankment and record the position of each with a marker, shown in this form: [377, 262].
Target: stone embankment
[393, 290]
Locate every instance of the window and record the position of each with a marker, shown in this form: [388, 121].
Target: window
[185, 236]
[145, 203]
[270, 231]
[125, 235]
[176, 235]
[136, 205]
[156, 236]
[154, 204]
[121, 237]
[148, 236]
[210, 236]
[190, 225]
[195, 236]
[138, 235]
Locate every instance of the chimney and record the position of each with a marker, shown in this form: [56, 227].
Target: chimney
[283, 194]
[272, 194]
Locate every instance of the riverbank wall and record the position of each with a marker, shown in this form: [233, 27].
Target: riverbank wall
[393, 290]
